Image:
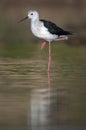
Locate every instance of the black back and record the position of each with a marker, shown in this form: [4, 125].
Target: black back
[54, 29]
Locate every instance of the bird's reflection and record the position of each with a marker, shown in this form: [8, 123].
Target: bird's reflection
[40, 102]
[47, 105]
[39, 106]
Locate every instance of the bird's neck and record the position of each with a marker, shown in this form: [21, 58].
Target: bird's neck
[35, 22]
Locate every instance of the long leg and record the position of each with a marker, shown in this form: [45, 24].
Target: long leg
[49, 64]
[49, 57]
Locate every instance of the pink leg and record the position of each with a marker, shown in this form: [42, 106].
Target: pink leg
[49, 57]
[43, 45]
[49, 88]
[62, 38]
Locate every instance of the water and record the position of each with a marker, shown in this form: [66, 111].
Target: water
[32, 98]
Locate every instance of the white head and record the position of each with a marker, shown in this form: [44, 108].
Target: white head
[33, 15]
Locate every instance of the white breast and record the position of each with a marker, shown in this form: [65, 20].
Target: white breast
[42, 32]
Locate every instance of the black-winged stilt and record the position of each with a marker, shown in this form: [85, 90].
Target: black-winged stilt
[46, 30]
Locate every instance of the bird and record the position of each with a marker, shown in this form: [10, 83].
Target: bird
[45, 30]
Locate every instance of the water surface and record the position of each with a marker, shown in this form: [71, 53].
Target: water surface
[32, 98]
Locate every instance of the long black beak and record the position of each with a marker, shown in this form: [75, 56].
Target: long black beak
[23, 19]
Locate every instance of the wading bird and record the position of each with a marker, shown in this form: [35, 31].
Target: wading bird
[46, 30]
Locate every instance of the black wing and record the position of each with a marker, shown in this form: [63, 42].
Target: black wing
[54, 29]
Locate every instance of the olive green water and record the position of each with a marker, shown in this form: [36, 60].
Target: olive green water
[26, 100]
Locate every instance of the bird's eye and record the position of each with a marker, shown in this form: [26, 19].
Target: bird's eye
[31, 13]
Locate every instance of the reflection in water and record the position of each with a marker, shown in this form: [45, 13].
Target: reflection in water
[47, 106]
[30, 97]
[41, 100]
[43, 107]
[39, 107]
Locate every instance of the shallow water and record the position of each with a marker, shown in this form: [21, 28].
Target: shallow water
[32, 98]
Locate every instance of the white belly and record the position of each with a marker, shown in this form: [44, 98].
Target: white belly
[42, 32]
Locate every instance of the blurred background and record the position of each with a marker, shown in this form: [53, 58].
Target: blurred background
[69, 14]
[23, 66]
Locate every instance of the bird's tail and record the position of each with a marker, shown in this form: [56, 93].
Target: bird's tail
[68, 33]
